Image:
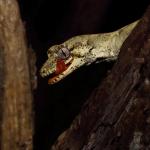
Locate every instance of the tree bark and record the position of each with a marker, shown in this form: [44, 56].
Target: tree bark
[117, 114]
[16, 117]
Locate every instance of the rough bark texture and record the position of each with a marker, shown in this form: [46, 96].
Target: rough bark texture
[15, 89]
[117, 115]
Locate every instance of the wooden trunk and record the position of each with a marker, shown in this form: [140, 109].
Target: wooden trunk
[117, 114]
[16, 117]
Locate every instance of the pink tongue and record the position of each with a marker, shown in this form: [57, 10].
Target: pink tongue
[60, 67]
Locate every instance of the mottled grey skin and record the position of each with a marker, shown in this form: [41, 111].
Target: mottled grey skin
[85, 49]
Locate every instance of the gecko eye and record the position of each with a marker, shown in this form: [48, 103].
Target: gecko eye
[63, 53]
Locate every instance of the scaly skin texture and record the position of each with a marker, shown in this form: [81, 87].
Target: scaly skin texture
[82, 50]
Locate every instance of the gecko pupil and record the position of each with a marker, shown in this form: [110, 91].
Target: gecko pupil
[64, 53]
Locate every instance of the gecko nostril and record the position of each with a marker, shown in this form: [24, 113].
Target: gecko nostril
[42, 71]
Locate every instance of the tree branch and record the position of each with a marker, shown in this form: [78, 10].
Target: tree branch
[117, 114]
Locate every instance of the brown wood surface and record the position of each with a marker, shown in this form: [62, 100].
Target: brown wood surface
[16, 118]
[117, 114]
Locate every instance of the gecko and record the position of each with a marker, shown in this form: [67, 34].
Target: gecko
[65, 58]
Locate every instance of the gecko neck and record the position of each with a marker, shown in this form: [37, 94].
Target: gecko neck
[108, 45]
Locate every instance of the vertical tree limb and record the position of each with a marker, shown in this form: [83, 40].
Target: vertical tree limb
[15, 88]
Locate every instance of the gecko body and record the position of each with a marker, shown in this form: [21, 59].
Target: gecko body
[81, 50]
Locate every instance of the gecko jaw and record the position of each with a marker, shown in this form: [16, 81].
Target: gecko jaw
[73, 65]
[49, 67]
[55, 77]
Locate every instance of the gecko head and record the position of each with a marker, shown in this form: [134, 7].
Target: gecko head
[62, 61]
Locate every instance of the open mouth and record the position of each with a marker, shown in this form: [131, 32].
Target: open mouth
[61, 66]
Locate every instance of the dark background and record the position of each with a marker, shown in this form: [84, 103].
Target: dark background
[51, 22]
